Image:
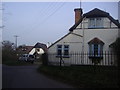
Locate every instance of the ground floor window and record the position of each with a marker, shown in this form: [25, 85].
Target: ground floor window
[63, 50]
[95, 48]
[66, 50]
[59, 50]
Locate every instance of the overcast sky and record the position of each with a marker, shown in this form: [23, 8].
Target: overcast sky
[45, 21]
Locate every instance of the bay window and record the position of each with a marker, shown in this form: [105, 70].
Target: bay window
[96, 48]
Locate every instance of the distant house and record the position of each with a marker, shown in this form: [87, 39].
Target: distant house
[93, 33]
[39, 48]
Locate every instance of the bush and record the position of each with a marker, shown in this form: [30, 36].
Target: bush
[9, 56]
[116, 48]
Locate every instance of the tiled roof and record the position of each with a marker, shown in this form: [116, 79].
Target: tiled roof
[96, 41]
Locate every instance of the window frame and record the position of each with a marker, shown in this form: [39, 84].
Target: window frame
[59, 49]
[92, 52]
[66, 49]
[63, 49]
[97, 22]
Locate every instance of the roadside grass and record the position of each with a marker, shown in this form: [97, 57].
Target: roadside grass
[83, 76]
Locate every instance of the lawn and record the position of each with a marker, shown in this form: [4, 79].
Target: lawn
[83, 76]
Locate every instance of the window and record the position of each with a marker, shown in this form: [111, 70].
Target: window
[59, 50]
[95, 23]
[63, 49]
[66, 50]
[95, 50]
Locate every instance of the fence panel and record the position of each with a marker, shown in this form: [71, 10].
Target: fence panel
[107, 59]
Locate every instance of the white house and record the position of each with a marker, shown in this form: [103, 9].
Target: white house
[91, 35]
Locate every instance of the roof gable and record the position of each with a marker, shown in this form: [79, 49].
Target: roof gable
[96, 13]
[96, 41]
[41, 45]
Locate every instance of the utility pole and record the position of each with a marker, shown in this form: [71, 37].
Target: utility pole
[16, 41]
[1, 15]
[80, 3]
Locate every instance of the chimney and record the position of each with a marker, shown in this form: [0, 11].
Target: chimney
[78, 14]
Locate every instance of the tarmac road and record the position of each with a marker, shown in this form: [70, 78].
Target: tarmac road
[27, 77]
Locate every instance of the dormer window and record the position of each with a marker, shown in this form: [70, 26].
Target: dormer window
[95, 22]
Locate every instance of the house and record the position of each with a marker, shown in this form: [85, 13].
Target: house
[38, 48]
[92, 33]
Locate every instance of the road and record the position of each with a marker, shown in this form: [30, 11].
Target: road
[27, 77]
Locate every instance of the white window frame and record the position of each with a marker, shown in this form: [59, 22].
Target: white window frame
[58, 50]
[95, 22]
[92, 51]
[66, 49]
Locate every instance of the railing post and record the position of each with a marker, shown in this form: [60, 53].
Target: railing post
[60, 59]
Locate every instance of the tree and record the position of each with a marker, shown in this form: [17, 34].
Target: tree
[116, 48]
[8, 52]
[7, 45]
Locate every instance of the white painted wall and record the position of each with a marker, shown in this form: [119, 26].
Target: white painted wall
[71, 40]
[108, 36]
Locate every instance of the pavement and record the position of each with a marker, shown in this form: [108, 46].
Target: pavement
[27, 77]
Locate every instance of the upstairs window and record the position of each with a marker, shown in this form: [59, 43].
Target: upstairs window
[95, 23]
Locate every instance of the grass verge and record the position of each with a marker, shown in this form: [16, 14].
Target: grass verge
[84, 76]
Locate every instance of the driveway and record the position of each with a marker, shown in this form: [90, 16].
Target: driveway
[27, 77]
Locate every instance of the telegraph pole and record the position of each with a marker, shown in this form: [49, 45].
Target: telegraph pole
[16, 41]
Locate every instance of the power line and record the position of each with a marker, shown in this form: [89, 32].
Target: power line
[49, 14]
[54, 12]
[47, 11]
[43, 13]
[57, 9]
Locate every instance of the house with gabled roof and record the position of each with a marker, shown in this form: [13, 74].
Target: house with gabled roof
[38, 48]
[93, 32]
